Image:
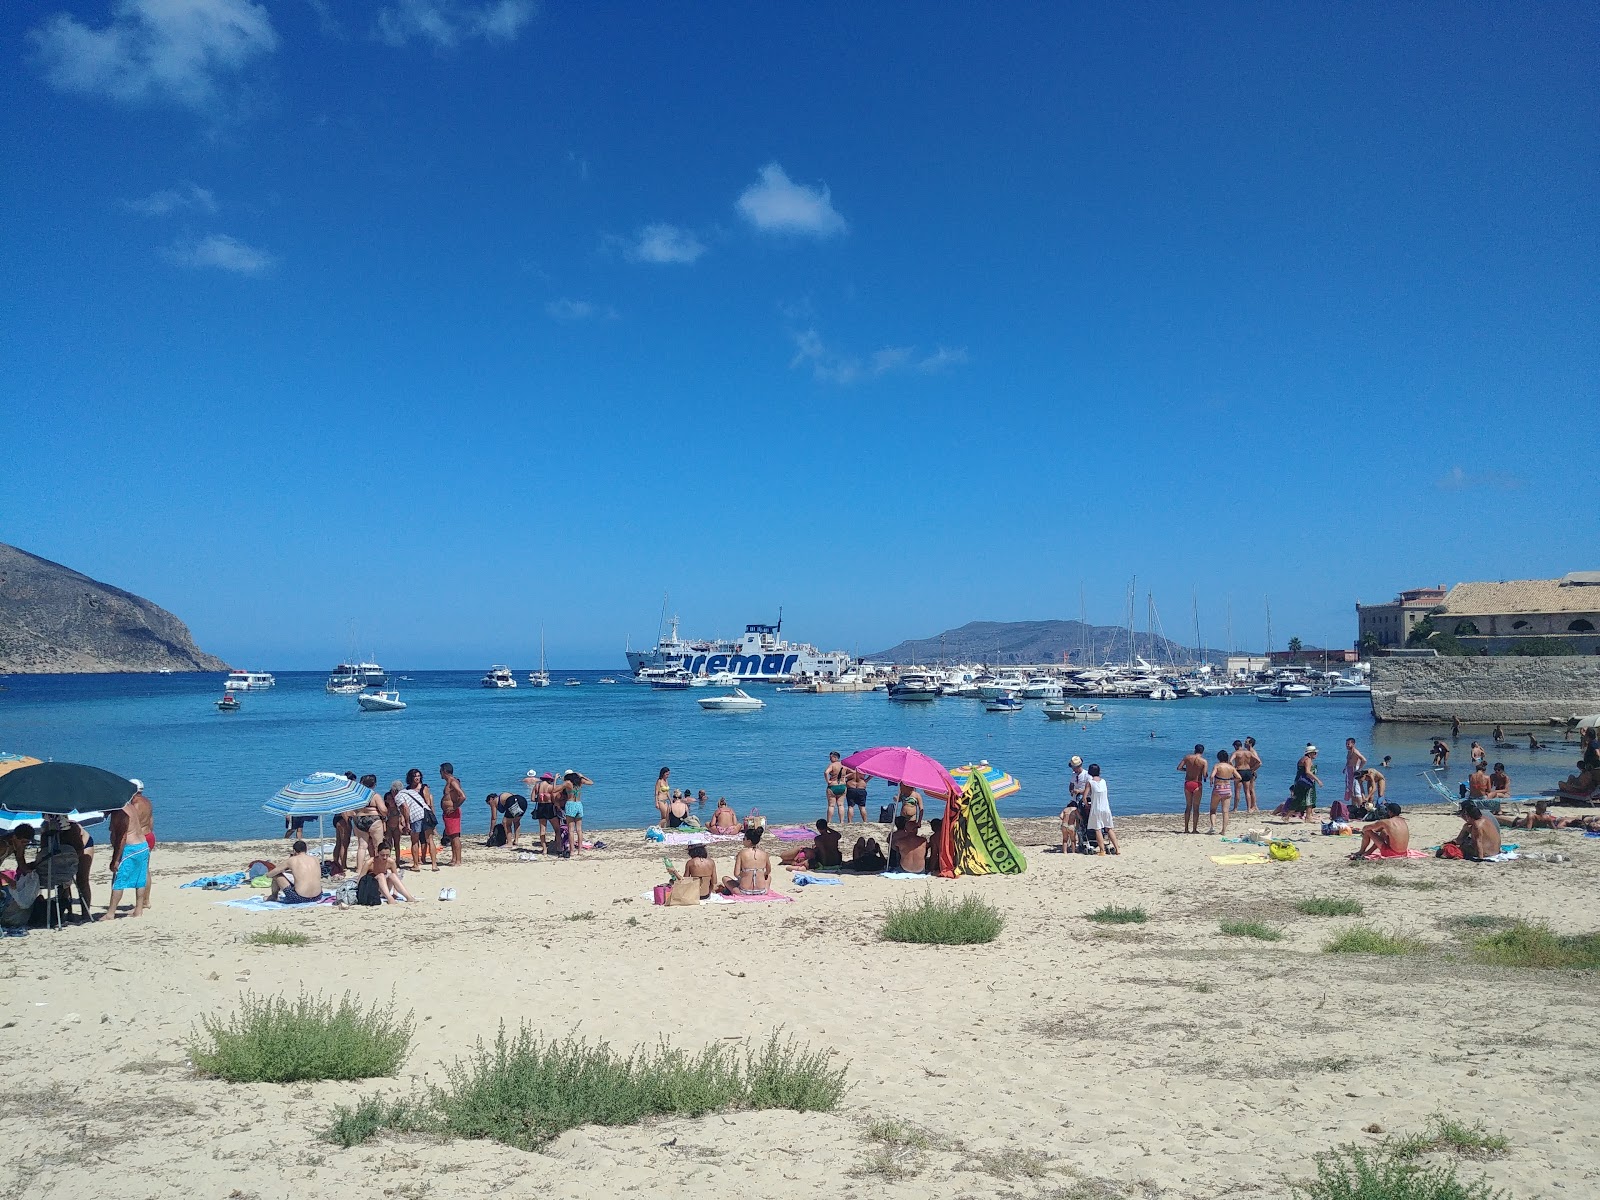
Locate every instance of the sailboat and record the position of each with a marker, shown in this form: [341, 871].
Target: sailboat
[541, 677]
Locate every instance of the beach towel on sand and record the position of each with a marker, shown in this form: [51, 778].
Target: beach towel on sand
[260, 904]
[1385, 852]
[763, 898]
[697, 839]
[804, 878]
[217, 883]
[1239, 860]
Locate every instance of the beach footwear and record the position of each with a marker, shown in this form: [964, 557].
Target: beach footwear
[452, 892]
[444, 893]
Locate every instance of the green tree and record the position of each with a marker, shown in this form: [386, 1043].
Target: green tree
[1424, 634]
[1542, 648]
[1368, 645]
[1294, 648]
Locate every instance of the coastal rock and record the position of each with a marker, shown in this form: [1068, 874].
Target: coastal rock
[54, 620]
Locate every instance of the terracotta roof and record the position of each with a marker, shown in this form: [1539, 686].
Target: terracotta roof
[1522, 596]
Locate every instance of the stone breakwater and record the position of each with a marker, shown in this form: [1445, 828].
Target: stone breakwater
[1485, 690]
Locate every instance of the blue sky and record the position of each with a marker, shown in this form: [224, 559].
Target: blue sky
[451, 318]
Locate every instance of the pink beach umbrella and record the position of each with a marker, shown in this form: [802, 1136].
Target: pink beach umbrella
[901, 764]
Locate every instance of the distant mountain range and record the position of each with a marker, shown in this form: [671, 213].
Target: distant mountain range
[55, 620]
[1007, 643]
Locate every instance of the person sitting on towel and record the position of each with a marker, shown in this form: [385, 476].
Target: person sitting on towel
[298, 881]
[724, 820]
[752, 869]
[1540, 818]
[382, 869]
[867, 856]
[1479, 837]
[911, 847]
[1388, 838]
[703, 867]
[823, 852]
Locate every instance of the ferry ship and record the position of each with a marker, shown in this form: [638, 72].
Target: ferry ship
[760, 656]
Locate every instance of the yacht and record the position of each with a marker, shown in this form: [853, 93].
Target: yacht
[737, 700]
[348, 678]
[722, 679]
[380, 702]
[1343, 686]
[541, 677]
[914, 685]
[248, 681]
[1072, 712]
[1004, 704]
[499, 677]
[1041, 687]
[992, 687]
[666, 679]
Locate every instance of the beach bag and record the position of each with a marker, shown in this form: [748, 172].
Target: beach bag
[497, 836]
[1450, 850]
[660, 892]
[683, 891]
[346, 892]
[367, 893]
[1283, 851]
[886, 815]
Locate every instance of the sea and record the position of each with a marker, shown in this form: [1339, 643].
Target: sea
[208, 773]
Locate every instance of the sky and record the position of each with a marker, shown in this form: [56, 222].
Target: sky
[414, 327]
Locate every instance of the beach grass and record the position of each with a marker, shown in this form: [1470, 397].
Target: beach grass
[943, 921]
[278, 937]
[583, 916]
[1356, 1173]
[1328, 906]
[524, 1091]
[1479, 922]
[1452, 1136]
[1364, 939]
[1385, 880]
[1112, 914]
[274, 1040]
[1535, 944]
[1259, 930]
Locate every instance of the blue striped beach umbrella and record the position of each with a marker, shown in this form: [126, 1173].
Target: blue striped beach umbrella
[1000, 784]
[319, 794]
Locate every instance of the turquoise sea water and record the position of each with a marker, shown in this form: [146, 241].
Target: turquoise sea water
[209, 772]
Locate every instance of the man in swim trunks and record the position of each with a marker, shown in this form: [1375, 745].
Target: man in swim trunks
[835, 787]
[855, 795]
[823, 852]
[130, 853]
[1194, 767]
[1248, 769]
[912, 848]
[1479, 837]
[298, 881]
[752, 869]
[1354, 760]
[1389, 838]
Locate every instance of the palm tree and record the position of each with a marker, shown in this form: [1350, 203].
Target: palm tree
[1294, 649]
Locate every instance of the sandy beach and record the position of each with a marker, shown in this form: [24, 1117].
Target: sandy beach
[1065, 1059]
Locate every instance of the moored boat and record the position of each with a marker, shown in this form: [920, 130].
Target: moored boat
[380, 702]
[1073, 712]
[499, 676]
[738, 700]
[228, 703]
[248, 681]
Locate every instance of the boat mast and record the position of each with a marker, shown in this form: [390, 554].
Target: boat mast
[1132, 590]
[1194, 597]
[1083, 623]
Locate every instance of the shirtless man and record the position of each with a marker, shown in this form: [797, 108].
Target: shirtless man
[298, 881]
[834, 787]
[912, 847]
[1389, 838]
[1248, 763]
[703, 867]
[1499, 783]
[1478, 783]
[1224, 783]
[1478, 756]
[1540, 818]
[1194, 767]
[130, 854]
[752, 868]
[1354, 761]
[855, 795]
[1479, 837]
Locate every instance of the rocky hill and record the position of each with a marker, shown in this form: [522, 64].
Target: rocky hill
[1005, 643]
[55, 621]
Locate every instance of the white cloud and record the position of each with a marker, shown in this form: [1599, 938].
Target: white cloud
[777, 204]
[830, 366]
[1458, 479]
[446, 23]
[223, 253]
[174, 50]
[579, 310]
[171, 200]
[663, 243]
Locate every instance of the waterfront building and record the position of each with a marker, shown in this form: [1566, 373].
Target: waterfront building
[1390, 624]
[1492, 617]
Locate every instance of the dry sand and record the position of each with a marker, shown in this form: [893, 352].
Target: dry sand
[1065, 1059]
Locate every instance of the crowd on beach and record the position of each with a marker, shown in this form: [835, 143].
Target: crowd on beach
[63, 861]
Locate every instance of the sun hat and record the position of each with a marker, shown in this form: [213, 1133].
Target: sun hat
[138, 784]
[1310, 749]
[1075, 761]
[547, 778]
[533, 773]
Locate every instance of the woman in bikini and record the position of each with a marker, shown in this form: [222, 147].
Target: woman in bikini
[752, 869]
[1224, 780]
[572, 785]
[663, 792]
[724, 820]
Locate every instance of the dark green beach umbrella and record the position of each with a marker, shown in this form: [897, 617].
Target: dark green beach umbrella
[63, 788]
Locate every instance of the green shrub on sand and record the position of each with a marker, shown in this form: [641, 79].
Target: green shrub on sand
[1252, 929]
[1112, 914]
[1364, 939]
[274, 1040]
[1527, 944]
[1327, 906]
[943, 921]
[1354, 1173]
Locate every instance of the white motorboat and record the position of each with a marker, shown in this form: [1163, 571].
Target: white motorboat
[1073, 712]
[914, 685]
[737, 700]
[993, 687]
[1163, 692]
[380, 702]
[1042, 687]
[499, 677]
[725, 679]
[666, 679]
[1004, 704]
[574, 683]
[228, 703]
[248, 681]
[608, 679]
[1345, 686]
[1271, 698]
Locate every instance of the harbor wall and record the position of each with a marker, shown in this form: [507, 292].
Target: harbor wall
[1485, 690]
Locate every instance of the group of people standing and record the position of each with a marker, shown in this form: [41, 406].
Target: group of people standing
[1232, 777]
[132, 834]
